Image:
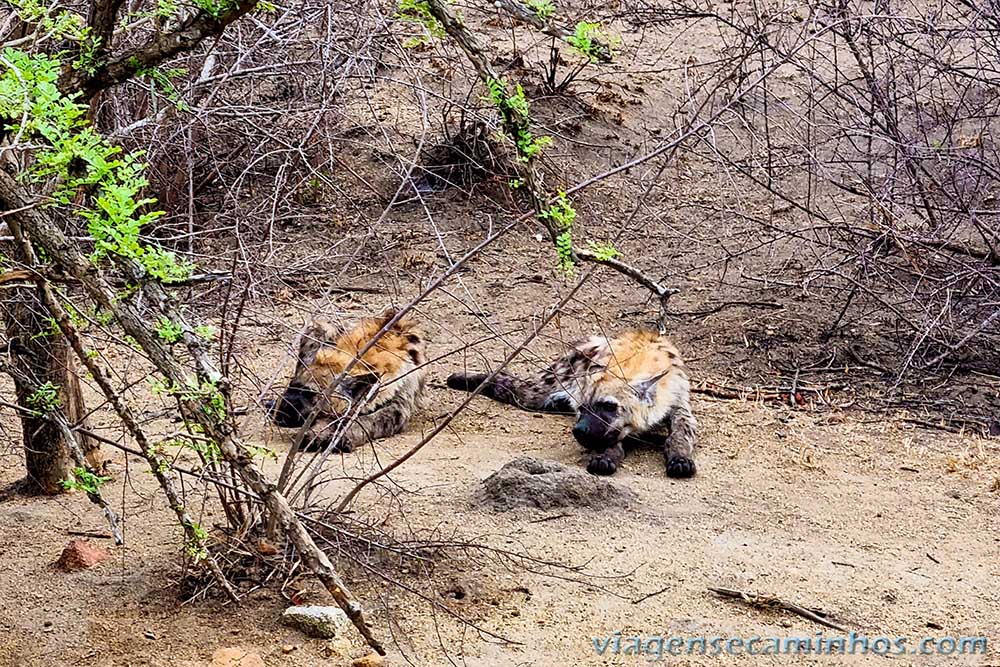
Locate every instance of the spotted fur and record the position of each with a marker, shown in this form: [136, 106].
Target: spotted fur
[388, 382]
[624, 391]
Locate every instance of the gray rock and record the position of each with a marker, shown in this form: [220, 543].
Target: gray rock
[321, 622]
[530, 482]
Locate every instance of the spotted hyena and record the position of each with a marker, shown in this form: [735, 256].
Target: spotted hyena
[624, 391]
[381, 391]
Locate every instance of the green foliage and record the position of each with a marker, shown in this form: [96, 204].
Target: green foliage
[529, 146]
[207, 449]
[564, 250]
[104, 317]
[60, 25]
[515, 110]
[216, 8]
[162, 80]
[544, 9]
[585, 41]
[165, 8]
[51, 329]
[45, 398]
[76, 318]
[169, 331]
[561, 216]
[417, 11]
[515, 183]
[84, 480]
[515, 104]
[261, 452]
[71, 154]
[86, 59]
[206, 392]
[603, 251]
[205, 332]
[194, 543]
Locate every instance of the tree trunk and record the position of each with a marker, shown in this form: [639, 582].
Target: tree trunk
[42, 356]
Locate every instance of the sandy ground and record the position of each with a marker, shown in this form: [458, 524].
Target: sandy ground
[891, 530]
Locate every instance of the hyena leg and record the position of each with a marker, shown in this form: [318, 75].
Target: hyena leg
[679, 446]
[320, 434]
[388, 420]
[535, 394]
[606, 462]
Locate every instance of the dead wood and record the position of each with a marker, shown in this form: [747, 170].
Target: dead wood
[760, 601]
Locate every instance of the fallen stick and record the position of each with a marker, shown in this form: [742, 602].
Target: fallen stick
[770, 602]
[785, 395]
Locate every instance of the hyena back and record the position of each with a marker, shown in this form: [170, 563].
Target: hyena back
[388, 381]
[624, 391]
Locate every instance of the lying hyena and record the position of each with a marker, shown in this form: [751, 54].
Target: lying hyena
[624, 391]
[388, 379]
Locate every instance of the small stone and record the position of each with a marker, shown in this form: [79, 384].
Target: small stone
[370, 660]
[81, 555]
[314, 621]
[337, 648]
[266, 548]
[236, 657]
[288, 648]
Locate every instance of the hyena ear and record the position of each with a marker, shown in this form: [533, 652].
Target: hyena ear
[592, 348]
[387, 314]
[360, 385]
[316, 336]
[403, 326]
[646, 389]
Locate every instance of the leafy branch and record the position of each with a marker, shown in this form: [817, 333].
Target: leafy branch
[417, 11]
[586, 38]
[76, 158]
[559, 215]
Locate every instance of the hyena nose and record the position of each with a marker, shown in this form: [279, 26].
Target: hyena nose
[583, 435]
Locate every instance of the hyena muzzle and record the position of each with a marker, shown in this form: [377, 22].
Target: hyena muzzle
[374, 399]
[624, 391]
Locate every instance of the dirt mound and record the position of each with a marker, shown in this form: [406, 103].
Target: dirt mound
[530, 482]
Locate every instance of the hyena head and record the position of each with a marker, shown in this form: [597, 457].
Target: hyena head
[325, 351]
[632, 384]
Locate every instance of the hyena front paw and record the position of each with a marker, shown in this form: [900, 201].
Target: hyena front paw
[680, 466]
[315, 443]
[602, 465]
[321, 443]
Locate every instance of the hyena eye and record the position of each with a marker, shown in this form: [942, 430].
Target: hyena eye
[605, 407]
